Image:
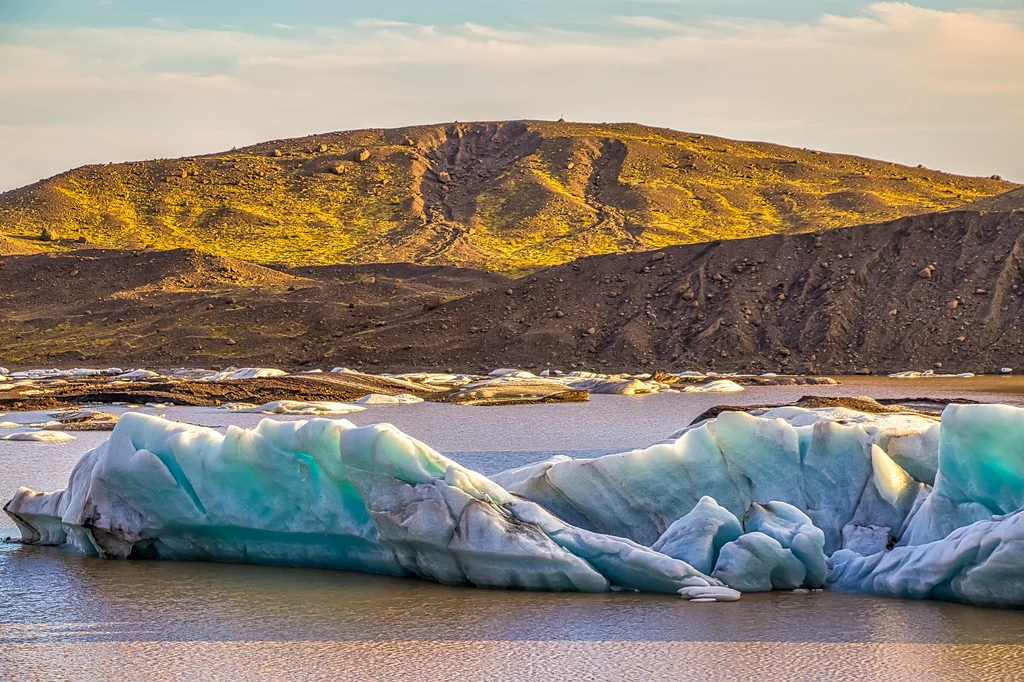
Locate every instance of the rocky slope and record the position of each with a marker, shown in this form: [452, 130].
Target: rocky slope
[509, 196]
[911, 293]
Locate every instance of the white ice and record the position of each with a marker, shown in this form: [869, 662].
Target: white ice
[381, 399]
[304, 408]
[717, 386]
[39, 436]
[246, 373]
[325, 493]
[698, 537]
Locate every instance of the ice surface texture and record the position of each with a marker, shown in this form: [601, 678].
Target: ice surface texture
[324, 493]
[806, 484]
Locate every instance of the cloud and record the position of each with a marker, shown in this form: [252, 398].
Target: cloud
[895, 81]
[652, 23]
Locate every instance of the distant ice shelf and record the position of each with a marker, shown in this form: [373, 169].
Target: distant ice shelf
[791, 499]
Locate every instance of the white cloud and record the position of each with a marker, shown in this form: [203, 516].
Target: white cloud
[897, 81]
[652, 23]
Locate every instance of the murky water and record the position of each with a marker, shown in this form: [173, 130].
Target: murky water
[64, 616]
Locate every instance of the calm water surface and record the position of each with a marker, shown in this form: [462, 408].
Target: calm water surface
[64, 616]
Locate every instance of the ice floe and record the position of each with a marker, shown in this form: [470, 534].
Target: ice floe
[300, 407]
[137, 375]
[246, 373]
[382, 399]
[927, 374]
[39, 436]
[717, 386]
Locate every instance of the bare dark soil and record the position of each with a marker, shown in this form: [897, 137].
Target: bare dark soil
[940, 291]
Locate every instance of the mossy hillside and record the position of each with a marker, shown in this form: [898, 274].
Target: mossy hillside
[510, 197]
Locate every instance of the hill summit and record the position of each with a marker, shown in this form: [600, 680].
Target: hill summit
[506, 196]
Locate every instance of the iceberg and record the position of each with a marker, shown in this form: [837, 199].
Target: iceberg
[324, 493]
[822, 494]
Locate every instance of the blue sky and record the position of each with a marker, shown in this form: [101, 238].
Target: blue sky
[88, 81]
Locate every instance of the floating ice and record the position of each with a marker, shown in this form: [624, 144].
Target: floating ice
[136, 375]
[301, 407]
[325, 493]
[381, 399]
[662, 519]
[246, 373]
[39, 436]
[510, 389]
[717, 386]
[513, 373]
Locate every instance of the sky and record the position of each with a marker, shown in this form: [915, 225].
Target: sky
[933, 82]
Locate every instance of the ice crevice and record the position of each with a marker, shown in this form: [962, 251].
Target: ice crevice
[787, 499]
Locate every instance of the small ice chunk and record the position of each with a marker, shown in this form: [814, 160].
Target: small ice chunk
[300, 407]
[136, 375]
[513, 373]
[40, 436]
[382, 399]
[709, 593]
[717, 386]
[247, 373]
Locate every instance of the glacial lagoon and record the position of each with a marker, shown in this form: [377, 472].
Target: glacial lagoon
[63, 614]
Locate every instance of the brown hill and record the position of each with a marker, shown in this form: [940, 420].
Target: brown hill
[839, 302]
[909, 293]
[183, 307]
[510, 196]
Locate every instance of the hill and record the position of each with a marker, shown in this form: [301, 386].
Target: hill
[906, 294]
[185, 307]
[1008, 201]
[510, 196]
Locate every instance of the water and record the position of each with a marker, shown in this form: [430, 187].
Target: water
[65, 616]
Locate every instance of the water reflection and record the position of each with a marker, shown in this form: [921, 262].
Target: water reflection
[48, 595]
